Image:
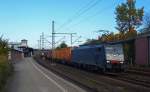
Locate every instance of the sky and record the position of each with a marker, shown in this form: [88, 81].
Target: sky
[27, 19]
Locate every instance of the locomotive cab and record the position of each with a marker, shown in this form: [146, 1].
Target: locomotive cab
[114, 57]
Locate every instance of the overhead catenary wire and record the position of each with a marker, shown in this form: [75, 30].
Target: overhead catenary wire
[96, 14]
[84, 11]
[81, 11]
[115, 2]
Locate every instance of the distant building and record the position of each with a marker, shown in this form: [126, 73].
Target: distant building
[24, 43]
[14, 44]
[22, 46]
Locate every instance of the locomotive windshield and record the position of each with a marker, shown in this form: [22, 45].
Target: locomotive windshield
[114, 52]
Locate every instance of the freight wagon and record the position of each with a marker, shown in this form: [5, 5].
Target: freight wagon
[104, 57]
[142, 53]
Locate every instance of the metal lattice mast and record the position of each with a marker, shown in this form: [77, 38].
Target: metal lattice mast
[53, 39]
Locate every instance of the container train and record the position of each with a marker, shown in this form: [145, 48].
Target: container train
[104, 57]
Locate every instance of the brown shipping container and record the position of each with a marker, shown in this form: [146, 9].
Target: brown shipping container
[141, 55]
[63, 54]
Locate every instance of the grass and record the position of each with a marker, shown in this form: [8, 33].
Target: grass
[5, 71]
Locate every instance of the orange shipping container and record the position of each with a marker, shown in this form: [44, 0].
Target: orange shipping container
[63, 54]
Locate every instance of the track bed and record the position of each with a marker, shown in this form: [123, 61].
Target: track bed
[94, 82]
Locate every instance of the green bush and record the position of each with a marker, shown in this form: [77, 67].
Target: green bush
[3, 46]
[5, 71]
[5, 67]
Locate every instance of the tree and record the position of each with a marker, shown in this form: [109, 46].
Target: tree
[109, 37]
[62, 45]
[105, 37]
[92, 42]
[128, 17]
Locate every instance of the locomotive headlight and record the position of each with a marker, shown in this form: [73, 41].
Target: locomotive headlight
[121, 62]
[108, 61]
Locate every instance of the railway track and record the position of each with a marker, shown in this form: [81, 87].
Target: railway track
[137, 82]
[144, 73]
[107, 81]
[143, 69]
[131, 78]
